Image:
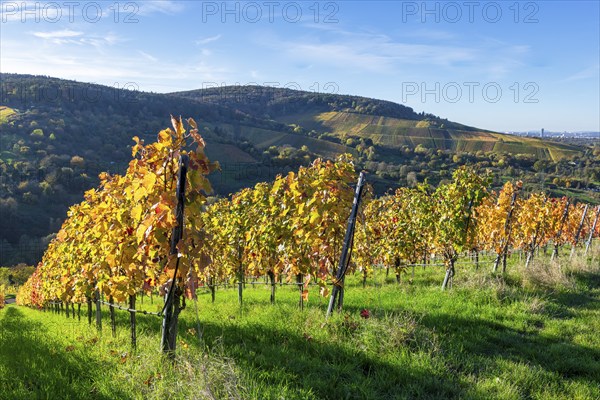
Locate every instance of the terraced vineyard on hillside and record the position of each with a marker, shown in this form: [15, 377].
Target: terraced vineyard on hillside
[394, 132]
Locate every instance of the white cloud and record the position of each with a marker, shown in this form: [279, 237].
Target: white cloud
[70, 37]
[375, 52]
[113, 66]
[147, 56]
[22, 11]
[39, 11]
[207, 40]
[160, 6]
[431, 34]
[587, 73]
[371, 52]
[64, 33]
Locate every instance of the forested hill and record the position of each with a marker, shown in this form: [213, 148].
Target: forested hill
[58, 135]
[273, 103]
[270, 101]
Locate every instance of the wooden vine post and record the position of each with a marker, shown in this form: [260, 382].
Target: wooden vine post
[89, 309]
[532, 245]
[98, 311]
[589, 241]
[507, 233]
[113, 322]
[173, 295]
[337, 293]
[300, 284]
[211, 286]
[559, 232]
[132, 320]
[579, 228]
[272, 281]
[240, 276]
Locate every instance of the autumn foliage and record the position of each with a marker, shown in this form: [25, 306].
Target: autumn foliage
[117, 241]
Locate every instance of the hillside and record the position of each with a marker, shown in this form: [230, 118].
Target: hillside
[386, 124]
[58, 135]
[394, 133]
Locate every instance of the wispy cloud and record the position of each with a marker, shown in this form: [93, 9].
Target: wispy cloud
[430, 34]
[501, 59]
[70, 37]
[147, 56]
[115, 67]
[23, 10]
[208, 40]
[64, 33]
[587, 73]
[370, 52]
[160, 6]
[27, 11]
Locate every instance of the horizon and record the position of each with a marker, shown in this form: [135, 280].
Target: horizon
[503, 67]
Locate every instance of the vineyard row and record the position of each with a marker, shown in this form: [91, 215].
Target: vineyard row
[153, 229]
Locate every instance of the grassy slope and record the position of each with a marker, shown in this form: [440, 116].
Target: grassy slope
[264, 138]
[394, 132]
[532, 335]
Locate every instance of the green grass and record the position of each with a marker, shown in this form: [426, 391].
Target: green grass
[529, 335]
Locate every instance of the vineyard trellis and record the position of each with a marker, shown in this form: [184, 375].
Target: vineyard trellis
[130, 236]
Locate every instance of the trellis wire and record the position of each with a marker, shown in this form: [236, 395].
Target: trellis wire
[158, 314]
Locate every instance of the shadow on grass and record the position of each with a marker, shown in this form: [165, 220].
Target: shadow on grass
[471, 346]
[37, 367]
[464, 337]
[278, 358]
[476, 336]
[282, 358]
[576, 300]
[283, 363]
[589, 280]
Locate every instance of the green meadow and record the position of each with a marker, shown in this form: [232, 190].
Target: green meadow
[530, 334]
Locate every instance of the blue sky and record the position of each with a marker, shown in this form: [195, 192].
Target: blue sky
[505, 66]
